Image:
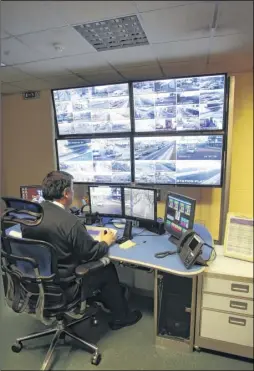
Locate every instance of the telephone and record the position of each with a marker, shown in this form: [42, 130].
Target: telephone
[127, 233]
[190, 248]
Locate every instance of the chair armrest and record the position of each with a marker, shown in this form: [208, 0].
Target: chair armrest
[86, 268]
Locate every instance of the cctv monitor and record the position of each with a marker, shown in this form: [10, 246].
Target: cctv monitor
[106, 201]
[180, 104]
[92, 110]
[31, 193]
[140, 203]
[100, 161]
[179, 215]
[179, 160]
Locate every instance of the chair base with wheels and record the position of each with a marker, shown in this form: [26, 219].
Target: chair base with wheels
[60, 331]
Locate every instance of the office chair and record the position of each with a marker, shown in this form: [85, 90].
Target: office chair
[32, 284]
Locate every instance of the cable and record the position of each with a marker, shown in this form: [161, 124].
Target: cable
[213, 252]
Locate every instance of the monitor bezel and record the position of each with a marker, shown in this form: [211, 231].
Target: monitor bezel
[88, 135]
[154, 190]
[28, 186]
[222, 170]
[189, 132]
[192, 215]
[110, 186]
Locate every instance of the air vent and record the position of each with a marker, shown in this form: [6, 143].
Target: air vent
[115, 33]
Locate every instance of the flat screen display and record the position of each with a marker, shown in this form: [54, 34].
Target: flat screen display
[180, 104]
[31, 193]
[179, 214]
[106, 200]
[105, 160]
[183, 160]
[140, 203]
[92, 110]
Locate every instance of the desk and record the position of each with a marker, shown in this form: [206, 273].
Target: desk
[143, 255]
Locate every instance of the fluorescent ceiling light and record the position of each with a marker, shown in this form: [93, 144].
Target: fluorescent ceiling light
[3, 65]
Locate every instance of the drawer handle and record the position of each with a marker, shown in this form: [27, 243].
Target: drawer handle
[240, 288]
[237, 321]
[238, 305]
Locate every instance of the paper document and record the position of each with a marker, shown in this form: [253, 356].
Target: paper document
[127, 244]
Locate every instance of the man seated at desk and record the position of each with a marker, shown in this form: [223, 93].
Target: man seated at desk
[74, 245]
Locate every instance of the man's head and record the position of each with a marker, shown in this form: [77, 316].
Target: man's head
[58, 186]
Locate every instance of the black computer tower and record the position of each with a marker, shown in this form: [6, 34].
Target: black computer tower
[174, 306]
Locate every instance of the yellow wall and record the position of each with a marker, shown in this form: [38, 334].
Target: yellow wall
[241, 185]
[29, 153]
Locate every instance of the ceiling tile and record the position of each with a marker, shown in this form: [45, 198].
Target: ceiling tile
[80, 63]
[144, 6]
[185, 68]
[74, 12]
[141, 72]
[181, 50]
[230, 43]
[19, 17]
[138, 55]
[33, 84]
[234, 17]
[102, 77]
[178, 23]
[4, 34]
[10, 74]
[44, 68]
[65, 81]
[9, 89]
[71, 41]
[14, 52]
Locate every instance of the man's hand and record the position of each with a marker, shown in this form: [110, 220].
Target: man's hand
[109, 238]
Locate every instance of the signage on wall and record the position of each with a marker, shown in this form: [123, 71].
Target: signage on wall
[31, 95]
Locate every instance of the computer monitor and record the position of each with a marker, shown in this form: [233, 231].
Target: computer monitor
[106, 200]
[195, 160]
[96, 160]
[140, 203]
[179, 215]
[31, 193]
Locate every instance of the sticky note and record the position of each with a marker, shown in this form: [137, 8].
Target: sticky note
[127, 244]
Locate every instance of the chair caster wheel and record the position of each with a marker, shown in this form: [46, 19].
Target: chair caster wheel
[17, 347]
[96, 359]
[94, 321]
[197, 349]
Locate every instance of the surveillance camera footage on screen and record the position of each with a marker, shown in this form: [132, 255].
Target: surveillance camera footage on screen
[93, 110]
[139, 203]
[180, 104]
[104, 160]
[106, 200]
[184, 160]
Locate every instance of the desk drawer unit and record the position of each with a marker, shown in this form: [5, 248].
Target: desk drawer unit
[228, 287]
[231, 328]
[227, 304]
[224, 319]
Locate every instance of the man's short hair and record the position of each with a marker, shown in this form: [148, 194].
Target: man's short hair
[54, 184]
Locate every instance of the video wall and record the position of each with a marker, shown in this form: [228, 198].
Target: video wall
[97, 109]
[167, 131]
[193, 103]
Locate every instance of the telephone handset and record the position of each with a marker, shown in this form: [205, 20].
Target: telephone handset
[190, 247]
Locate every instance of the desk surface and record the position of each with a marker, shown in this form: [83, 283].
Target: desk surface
[143, 253]
[147, 245]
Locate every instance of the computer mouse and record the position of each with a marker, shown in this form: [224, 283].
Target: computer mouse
[105, 231]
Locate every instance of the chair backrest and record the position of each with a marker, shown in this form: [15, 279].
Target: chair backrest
[30, 273]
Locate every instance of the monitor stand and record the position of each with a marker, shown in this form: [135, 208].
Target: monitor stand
[100, 222]
[174, 240]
